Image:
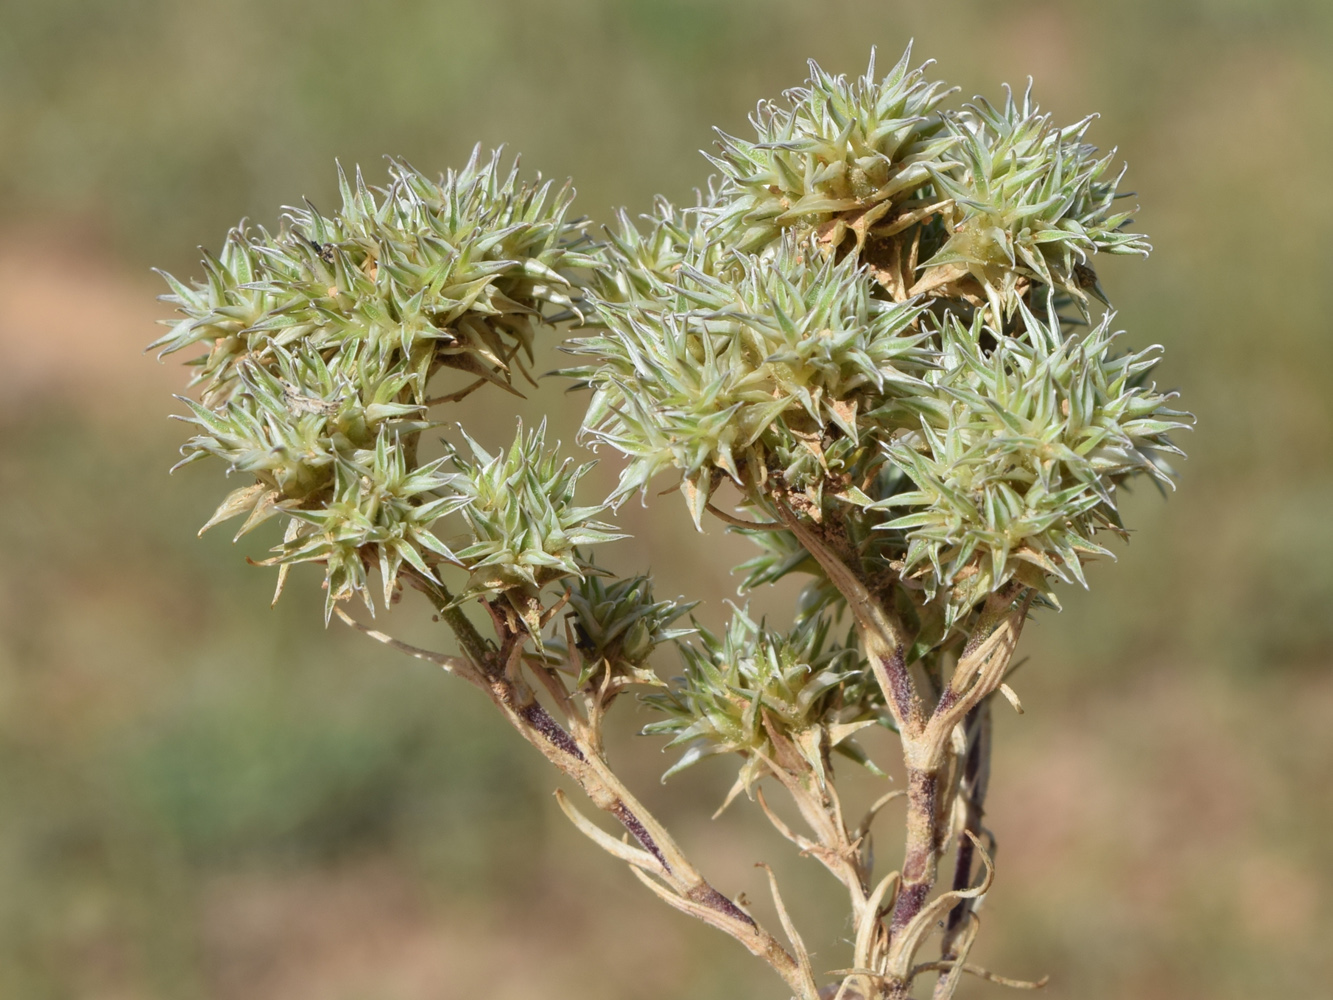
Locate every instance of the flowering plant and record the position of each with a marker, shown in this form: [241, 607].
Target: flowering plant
[879, 332]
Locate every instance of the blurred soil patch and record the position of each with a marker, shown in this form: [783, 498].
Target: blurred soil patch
[73, 328]
[371, 929]
[1159, 841]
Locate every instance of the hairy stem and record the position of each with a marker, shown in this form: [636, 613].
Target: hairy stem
[930, 758]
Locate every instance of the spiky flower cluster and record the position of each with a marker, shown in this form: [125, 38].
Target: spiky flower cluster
[1028, 202]
[860, 321]
[978, 202]
[524, 526]
[839, 147]
[323, 345]
[739, 358]
[618, 623]
[1017, 456]
[378, 507]
[751, 686]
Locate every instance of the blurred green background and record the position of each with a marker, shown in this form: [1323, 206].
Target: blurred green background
[203, 798]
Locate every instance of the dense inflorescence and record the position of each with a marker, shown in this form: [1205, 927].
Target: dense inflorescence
[1017, 454]
[871, 347]
[859, 320]
[838, 146]
[752, 685]
[324, 343]
[618, 623]
[524, 525]
[721, 370]
[1027, 202]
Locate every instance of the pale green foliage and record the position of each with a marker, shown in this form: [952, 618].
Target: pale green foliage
[1018, 454]
[743, 687]
[416, 275]
[860, 319]
[642, 265]
[619, 622]
[1030, 201]
[378, 506]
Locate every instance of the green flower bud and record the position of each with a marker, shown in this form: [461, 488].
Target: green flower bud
[742, 688]
[524, 525]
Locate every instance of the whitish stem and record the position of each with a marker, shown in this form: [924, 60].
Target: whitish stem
[833, 845]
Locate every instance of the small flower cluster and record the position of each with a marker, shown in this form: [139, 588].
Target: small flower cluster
[323, 343]
[739, 358]
[751, 686]
[522, 521]
[1019, 448]
[865, 145]
[1027, 202]
[618, 623]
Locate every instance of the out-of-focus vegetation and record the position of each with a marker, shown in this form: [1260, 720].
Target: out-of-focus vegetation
[200, 797]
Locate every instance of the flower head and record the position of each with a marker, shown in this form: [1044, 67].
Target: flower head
[322, 343]
[745, 689]
[837, 146]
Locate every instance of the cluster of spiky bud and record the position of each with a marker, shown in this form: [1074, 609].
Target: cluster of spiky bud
[618, 623]
[858, 321]
[524, 527]
[1028, 203]
[862, 319]
[323, 346]
[752, 685]
[838, 147]
[738, 358]
[1017, 455]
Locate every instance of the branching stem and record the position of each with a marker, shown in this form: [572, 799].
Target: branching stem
[927, 737]
[497, 672]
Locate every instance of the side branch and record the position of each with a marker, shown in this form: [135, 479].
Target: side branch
[972, 787]
[676, 880]
[661, 863]
[977, 676]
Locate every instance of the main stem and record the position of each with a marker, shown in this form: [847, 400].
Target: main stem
[926, 811]
[921, 857]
